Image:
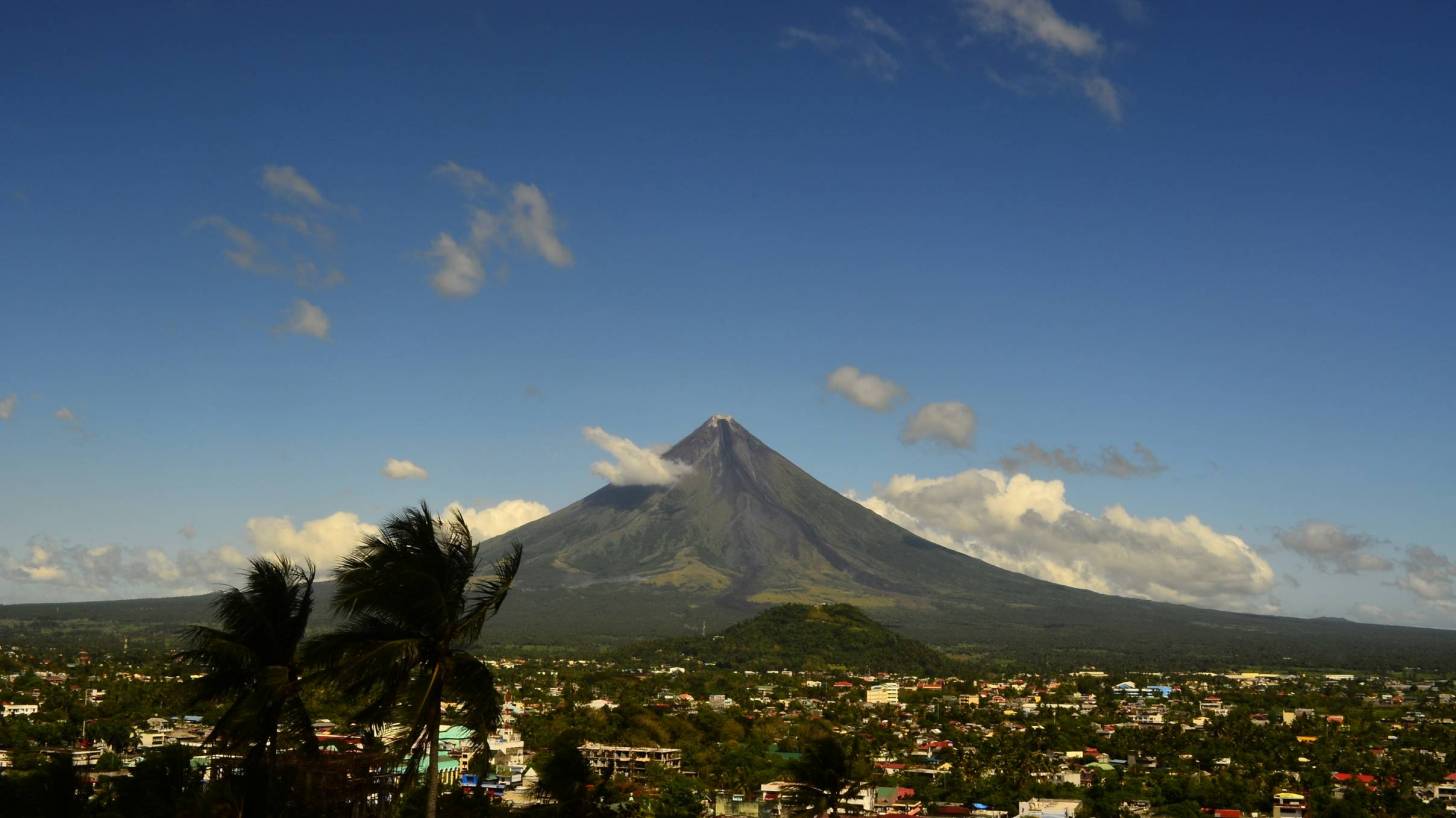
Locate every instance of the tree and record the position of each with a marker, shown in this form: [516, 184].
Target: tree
[826, 775]
[251, 659]
[564, 776]
[413, 606]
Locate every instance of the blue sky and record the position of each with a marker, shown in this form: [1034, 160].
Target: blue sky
[256, 253]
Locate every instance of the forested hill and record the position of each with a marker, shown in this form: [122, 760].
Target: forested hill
[807, 637]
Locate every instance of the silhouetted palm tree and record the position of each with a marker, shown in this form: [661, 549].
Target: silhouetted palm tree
[251, 659]
[414, 605]
[825, 776]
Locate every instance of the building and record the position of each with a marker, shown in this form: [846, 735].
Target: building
[1289, 805]
[1048, 808]
[887, 693]
[611, 761]
[9, 709]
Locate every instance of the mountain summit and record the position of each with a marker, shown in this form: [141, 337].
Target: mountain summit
[744, 528]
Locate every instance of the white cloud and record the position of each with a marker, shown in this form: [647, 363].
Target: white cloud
[469, 180]
[498, 519]
[7, 406]
[1034, 23]
[323, 540]
[635, 465]
[306, 319]
[533, 225]
[396, 469]
[865, 389]
[1027, 525]
[460, 273]
[949, 422]
[1333, 548]
[285, 182]
[65, 415]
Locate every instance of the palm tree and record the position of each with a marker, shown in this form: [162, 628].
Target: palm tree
[251, 659]
[413, 605]
[826, 775]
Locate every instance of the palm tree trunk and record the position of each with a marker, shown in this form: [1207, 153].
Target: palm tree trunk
[432, 789]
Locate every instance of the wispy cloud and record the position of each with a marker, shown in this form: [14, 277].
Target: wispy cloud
[865, 389]
[460, 273]
[1110, 462]
[7, 406]
[863, 41]
[1062, 54]
[305, 318]
[534, 225]
[286, 183]
[1333, 548]
[245, 250]
[633, 465]
[1430, 576]
[1034, 23]
[304, 226]
[524, 221]
[469, 180]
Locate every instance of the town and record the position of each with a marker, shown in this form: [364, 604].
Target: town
[617, 734]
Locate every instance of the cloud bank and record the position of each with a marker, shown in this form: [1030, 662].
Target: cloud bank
[1026, 525]
[109, 569]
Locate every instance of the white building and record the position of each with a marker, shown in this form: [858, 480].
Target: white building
[887, 693]
[9, 709]
[1048, 808]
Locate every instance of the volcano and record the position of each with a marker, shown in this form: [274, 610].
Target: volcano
[745, 528]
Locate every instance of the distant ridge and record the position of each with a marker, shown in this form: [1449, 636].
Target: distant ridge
[746, 529]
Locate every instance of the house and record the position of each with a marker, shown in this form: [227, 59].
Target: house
[8, 709]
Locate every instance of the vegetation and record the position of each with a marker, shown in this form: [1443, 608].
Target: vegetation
[808, 638]
[413, 606]
[251, 659]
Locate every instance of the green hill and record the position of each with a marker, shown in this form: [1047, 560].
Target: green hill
[808, 637]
